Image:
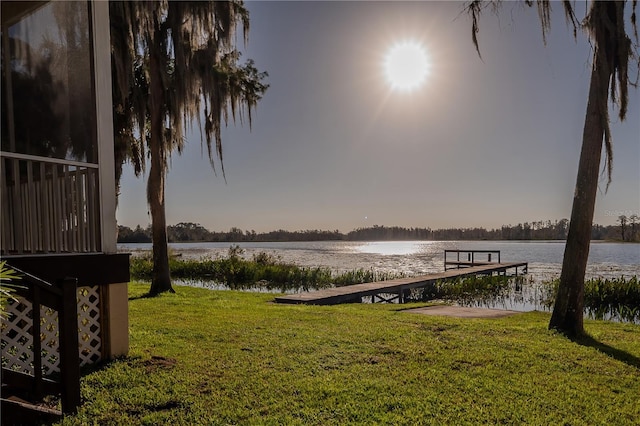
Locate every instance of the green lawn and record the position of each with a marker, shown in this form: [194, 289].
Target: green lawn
[224, 357]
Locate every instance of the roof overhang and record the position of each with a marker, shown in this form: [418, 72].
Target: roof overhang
[12, 11]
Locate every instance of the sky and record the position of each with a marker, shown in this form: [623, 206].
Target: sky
[484, 142]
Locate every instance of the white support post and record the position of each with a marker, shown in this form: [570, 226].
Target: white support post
[116, 303]
[104, 122]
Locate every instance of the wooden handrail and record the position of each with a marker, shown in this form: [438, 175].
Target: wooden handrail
[63, 298]
[471, 258]
[33, 280]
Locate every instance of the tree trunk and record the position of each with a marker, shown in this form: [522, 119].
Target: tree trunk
[160, 278]
[567, 316]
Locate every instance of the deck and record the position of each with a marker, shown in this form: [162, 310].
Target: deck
[398, 288]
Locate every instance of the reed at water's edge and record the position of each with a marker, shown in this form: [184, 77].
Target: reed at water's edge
[263, 271]
[605, 298]
[616, 298]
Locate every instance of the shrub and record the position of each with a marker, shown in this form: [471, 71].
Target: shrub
[617, 298]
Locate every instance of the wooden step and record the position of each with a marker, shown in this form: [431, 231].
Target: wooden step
[17, 411]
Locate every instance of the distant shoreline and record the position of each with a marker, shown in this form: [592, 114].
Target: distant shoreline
[534, 231]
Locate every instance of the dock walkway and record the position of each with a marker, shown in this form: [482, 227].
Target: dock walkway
[398, 288]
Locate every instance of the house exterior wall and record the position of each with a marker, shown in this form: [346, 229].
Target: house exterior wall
[58, 206]
[58, 182]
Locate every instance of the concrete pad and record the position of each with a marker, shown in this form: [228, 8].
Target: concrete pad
[462, 312]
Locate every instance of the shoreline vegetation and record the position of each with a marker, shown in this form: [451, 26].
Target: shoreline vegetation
[264, 271]
[540, 230]
[617, 298]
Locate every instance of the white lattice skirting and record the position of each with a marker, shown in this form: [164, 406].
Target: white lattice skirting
[17, 342]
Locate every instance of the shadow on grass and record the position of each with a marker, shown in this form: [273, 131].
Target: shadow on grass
[143, 296]
[614, 353]
[149, 295]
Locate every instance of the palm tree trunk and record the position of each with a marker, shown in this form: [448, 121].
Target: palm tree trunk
[568, 313]
[160, 278]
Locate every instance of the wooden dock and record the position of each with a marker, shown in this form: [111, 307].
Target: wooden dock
[399, 289]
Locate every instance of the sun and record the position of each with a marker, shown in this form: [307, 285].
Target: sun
[406, 66]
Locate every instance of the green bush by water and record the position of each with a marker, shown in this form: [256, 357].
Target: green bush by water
[264, 271]
[617, 298]
[469, 289]
[360, 276]
[604, 298]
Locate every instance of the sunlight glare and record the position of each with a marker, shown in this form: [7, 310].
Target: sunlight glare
[406, 66]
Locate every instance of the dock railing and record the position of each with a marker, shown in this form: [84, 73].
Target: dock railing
[468, 258]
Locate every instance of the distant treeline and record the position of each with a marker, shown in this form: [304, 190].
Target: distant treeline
[542, 230]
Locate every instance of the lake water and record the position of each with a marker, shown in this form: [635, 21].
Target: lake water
[607, 260]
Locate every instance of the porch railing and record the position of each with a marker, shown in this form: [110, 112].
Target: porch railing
[48, 205]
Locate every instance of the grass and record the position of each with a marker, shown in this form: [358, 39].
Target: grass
[227, 357]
